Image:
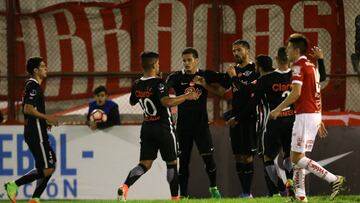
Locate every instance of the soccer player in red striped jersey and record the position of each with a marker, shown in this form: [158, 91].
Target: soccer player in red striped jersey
[305, 94]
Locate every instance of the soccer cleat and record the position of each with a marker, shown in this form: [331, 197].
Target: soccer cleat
[123, 192]
[175, 198]
[215, 193]
[11, 189]
[337, 186]
[246, 195]
[184, 197]
[34, 200]
[289, 185]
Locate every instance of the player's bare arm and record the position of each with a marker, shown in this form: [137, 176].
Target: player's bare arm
[293, 96]
[317, 53]
[50, 119]
[214, 88]
[174, 101]
[322, 132]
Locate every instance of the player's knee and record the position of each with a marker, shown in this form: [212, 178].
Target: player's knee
[295, 157]
[48, 171]
[209, 162]
[146, 165]
[173, 162]
[246, 159]
[268, 158]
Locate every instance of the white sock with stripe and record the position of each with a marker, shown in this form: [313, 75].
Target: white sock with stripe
[316, 169]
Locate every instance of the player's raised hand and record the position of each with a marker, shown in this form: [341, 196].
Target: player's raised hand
[199, 80]
[52, 120]
[322, 132]
[231, 70]
[317, 53]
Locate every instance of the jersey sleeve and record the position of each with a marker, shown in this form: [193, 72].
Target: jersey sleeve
[321, 68]
[162, 90]
[133, 99]
[297, 75]
[31, 94]
[224, 80]
[171, 80]
[212, 77]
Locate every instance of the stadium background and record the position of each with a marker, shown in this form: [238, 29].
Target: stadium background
[88, 43]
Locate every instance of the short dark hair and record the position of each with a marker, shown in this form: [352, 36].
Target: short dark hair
[244, 43]
[32, 63]
[264, 62]
[148, 58]
[191, 50]
[99, 89]
[299, 41]
[282, 56]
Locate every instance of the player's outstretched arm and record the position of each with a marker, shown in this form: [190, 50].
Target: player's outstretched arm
[318, 54]
[214, 88]
[174, 101]
[293, 96]
[50, 119]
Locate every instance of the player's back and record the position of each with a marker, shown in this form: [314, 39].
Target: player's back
[148, 92]
[277, 87]
[306, 74]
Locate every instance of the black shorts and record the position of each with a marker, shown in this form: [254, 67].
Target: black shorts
[278, 135]
[43, 154]
[243, 137]
[202, 138]
[155, 137]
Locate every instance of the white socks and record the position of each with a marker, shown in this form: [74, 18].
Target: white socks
[299, 181]
[313, 167]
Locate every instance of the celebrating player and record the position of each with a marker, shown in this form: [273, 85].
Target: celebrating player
[242, 120]
[192, 119]
[157, 131]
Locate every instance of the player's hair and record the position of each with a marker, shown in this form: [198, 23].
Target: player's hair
[32, 63]
[299, 41]
[148, 59]
[190, 50]
[241, 42]
[264, 62]
[282, 56]
[99, 89]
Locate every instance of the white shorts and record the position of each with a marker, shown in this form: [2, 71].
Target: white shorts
[304, 131]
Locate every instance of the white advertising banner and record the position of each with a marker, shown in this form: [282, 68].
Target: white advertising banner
[90, 164]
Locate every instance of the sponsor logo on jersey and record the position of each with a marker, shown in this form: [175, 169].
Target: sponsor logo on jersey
[247, 73]
[33, 93]
[161, 87]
